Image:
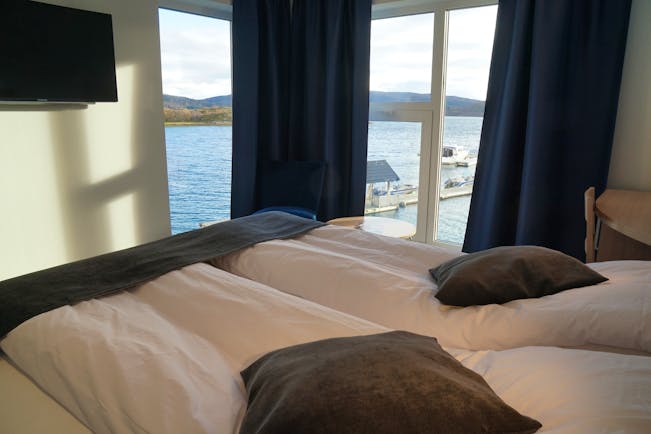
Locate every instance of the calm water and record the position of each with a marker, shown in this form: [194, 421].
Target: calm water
[199, 175]
[199, 170]
[399, 144]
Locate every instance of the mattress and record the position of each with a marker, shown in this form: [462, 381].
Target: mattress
[166, 356]
[26, 409]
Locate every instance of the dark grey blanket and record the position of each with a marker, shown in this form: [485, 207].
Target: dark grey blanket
[24, 297]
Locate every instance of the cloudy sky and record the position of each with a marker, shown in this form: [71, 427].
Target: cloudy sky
[401, 52]
[196, 53]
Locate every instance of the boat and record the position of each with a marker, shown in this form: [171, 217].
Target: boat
[451, 155]
[459, 186]
[404, 189]
[468, 161]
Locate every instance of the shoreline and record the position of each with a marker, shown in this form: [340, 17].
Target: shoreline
[199, 124]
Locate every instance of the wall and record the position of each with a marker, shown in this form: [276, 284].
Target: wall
[630, 165]
[76, 182]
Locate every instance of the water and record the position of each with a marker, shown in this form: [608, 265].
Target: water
[199, 171]
[399, 144]
[199, 175]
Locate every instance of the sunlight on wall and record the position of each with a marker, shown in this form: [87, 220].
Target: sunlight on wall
[121, 221]
[79, 181]
[114, 154]
[630, 165]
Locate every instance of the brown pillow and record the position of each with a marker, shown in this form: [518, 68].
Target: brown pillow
[395, 382]
[508, 273]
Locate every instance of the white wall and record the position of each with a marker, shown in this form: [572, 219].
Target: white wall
[83, 181]
[630, 165]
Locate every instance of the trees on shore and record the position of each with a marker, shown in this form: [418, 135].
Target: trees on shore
[210, 115]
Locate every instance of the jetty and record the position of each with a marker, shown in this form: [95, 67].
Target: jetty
[384, 193]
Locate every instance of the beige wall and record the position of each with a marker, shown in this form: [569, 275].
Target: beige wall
[76, 182]
[630, 166]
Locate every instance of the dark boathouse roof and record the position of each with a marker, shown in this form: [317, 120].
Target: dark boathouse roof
[380, 171]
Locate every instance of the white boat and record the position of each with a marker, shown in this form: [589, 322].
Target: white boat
[467, 162]
[452, 155]
[454, 187]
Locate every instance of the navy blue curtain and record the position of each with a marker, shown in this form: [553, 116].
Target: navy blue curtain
[300, 93]
[549, 121]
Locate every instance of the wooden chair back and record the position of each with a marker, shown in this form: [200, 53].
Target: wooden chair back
[618, 225]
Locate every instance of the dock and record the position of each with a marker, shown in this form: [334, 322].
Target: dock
[391, 197]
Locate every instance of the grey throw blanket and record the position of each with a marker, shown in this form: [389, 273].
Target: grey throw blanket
[24, 297]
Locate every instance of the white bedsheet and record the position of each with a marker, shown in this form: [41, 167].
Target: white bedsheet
[166, 357]
[386, 281]
[570, 391]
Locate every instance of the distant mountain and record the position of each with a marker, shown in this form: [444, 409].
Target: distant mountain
[377, 96]
[454, 105]
[182, 102]
[457, 106]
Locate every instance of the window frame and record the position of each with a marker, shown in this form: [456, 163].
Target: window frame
[427, 220]
[220, 9]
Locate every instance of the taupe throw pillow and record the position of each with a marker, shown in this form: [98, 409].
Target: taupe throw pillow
[503, 274]
[395, 382]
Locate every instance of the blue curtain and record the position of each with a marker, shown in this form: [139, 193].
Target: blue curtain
[549, 121]
[300, 93]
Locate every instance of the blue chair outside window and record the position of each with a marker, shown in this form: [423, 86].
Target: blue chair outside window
[291, 186]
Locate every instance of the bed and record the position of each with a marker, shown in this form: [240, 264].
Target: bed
[386, 280]
[165, 355]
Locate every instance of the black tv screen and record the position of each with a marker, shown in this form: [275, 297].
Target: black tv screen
[55, 54]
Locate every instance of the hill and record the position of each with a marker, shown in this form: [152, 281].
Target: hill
[182, 102]
[457, 106]
[217, 109]
[454, 105]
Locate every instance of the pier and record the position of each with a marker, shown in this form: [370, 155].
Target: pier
[383, 195]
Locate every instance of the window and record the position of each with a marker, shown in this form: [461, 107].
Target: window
[429, 74]
[196, 70]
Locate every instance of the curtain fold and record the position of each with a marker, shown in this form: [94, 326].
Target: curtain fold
[260, 34]
[300, 93]
[549, 121]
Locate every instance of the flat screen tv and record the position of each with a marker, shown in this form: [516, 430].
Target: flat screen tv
[55, 54]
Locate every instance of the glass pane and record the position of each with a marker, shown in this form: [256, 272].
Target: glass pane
[470, 45]
[401, 58]
[393, 167]
[196, 69]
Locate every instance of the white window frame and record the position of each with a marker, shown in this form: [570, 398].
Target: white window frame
[221, 9]
[430, 113]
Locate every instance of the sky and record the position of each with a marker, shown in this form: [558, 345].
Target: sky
[401, 52]
[195, 53]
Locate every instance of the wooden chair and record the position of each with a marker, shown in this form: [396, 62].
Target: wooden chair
[618, 225]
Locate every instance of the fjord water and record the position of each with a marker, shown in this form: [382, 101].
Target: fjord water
[199, 170]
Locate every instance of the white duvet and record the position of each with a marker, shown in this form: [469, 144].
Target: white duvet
[386, 280]
[165, 358]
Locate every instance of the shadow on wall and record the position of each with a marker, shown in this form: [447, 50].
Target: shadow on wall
[106, 183]
[77, 180]
[110, 166]
[82, 217]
